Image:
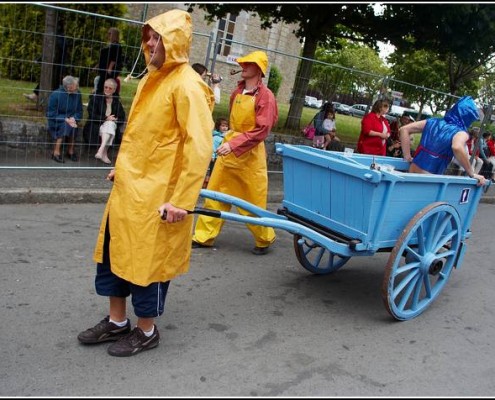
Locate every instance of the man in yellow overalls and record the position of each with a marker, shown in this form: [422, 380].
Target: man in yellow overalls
[241, 169]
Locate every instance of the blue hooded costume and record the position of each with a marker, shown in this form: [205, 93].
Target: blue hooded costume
[434, 152]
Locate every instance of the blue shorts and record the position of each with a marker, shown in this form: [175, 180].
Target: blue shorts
[433, 163]
[148, 301]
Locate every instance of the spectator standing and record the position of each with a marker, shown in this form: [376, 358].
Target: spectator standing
[241, 169]
[110, 61]
[64, 114]
[375, 130]
[221, 127]
[106, 118]
[442, 139]
[214, 80]
[486, 147]
[474, 147]
[394, 148]
[144, 239]
[491, 159]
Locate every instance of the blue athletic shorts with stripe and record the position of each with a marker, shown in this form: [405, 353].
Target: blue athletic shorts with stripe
[148, 302]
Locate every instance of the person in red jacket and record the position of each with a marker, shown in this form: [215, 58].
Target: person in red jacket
[491, 159]
[375, 130]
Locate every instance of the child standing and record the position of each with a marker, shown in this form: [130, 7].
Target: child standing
[221, 126]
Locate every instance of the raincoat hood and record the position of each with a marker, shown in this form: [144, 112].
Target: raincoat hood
[175, 29]
[258, 57]
[463, 113]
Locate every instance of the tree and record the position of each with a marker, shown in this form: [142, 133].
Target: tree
[425, 69]
[334, 77]
[274, 80]
[317, 24]
[462, 30]
[460, 35]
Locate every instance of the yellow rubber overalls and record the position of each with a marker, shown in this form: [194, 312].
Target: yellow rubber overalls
[244, 177]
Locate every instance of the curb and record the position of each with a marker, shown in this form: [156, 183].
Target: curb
[57, 196]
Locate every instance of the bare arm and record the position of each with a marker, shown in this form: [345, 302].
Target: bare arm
[459, 148]
[405, 131]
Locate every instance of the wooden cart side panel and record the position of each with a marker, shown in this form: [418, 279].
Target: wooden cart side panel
[347, 197]
[327, 197]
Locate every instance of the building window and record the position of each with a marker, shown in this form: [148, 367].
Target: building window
[225, 32]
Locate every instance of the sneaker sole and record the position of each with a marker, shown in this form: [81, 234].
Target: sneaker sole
[152, 346]
[112, 338]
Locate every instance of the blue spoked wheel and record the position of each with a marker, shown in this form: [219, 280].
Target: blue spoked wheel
[421, 261]
[315, 258]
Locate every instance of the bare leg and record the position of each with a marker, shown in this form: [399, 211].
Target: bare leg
[117, 308]
[70, 142]
[58, 145]
[102, 154]
[146, 324]
[415, 169]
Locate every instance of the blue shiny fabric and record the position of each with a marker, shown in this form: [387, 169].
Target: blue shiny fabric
[434, 152]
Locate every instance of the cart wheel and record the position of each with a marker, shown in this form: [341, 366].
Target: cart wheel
[315, 258]
[421, 261]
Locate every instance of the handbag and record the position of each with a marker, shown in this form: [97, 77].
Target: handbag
[309, 130]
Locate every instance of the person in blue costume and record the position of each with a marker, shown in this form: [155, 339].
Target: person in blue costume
[442, 139]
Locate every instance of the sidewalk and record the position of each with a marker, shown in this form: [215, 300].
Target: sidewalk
[38, 179]
[32, 177]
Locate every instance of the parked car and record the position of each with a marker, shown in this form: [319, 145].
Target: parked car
[341, 108]
[313, 102]
[309, 101]
[358, 110]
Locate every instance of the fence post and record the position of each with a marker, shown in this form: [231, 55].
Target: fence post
[208, 51]
[47, 57]
[214, 58]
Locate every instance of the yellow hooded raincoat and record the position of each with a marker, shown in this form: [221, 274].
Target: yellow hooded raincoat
[163, 157]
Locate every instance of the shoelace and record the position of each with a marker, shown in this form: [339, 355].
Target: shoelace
[99, 326]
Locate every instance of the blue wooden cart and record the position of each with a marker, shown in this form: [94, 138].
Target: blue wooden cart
[339, 206]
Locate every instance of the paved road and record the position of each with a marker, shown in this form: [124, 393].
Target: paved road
[237, 324]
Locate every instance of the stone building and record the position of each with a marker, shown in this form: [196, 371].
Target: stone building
[236, 35]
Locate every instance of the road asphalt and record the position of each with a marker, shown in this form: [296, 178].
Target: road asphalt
[236, 324]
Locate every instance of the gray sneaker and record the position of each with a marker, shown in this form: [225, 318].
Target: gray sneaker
[104, 331]
[134, 343]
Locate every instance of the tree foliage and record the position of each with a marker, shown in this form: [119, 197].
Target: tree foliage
[315, 24]
[462, 33]
[464, 30]
[84, 35]
[334, 77]
[274, 80]
[455, 36]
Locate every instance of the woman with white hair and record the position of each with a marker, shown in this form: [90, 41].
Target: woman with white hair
[106, 117]
[63, 114]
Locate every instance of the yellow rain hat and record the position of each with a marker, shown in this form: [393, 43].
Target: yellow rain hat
[258, 57]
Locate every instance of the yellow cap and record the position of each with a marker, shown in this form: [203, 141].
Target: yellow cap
[258, 57]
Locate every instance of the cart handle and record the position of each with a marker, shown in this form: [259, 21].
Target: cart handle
[199, 210]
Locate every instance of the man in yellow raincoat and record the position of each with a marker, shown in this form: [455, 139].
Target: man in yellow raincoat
[241, 169]
[159, 172]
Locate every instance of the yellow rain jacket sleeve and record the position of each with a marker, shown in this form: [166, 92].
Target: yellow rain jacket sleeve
[165, 152]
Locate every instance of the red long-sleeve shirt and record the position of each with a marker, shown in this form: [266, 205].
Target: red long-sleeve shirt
[372, 144]
[266, 110]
